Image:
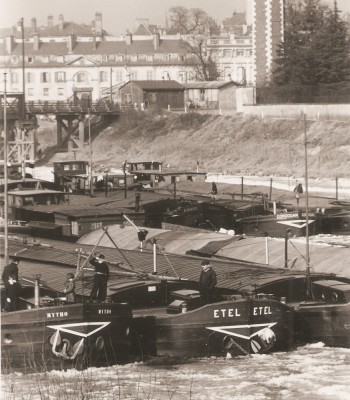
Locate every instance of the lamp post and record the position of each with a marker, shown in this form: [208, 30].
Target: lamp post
[111, 94]
[23, 66]
[125, 184]
[90, 151]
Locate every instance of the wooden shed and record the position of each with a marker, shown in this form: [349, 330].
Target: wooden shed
[153, 94]
[211, 95]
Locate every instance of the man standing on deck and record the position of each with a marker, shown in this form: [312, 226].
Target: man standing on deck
[99, 289]
[10, 269]
[207, 282]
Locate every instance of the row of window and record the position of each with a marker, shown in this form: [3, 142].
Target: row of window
[46, 92]
[83, 77]
[104, 58]
[216, 53]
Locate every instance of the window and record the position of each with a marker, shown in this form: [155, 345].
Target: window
[120, 57]
[45, 59]
[133, 57]
[111, 57]
[127, 98]
[227, 53]
[81, 77]
[149, 57]
[240, 53]
[103, 76]
[182, 76]
[60, 76]
[45, 77]
[202, 94]
[149, 75]
[14, 59]
[74, 227]
[45, 92]
[119, 75]
[60, 91]
[133, 75]
[30, 60]
[30, 77]
[60, 59]
[30, 92]
[14, 77]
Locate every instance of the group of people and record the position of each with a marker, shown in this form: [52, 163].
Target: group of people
[99, 287]
[207, 283]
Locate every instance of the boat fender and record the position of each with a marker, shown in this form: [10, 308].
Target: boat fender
[228, 343]
[184, 307]
[100, 343]
[334, 297]
[255, 346]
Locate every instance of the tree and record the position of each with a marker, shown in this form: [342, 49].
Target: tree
[196, 26]
[191, 21]
[315, 47]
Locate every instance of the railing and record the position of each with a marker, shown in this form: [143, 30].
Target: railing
[60, 107]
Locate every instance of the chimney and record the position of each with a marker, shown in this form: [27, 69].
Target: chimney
[33, 25]
[98, 21]
[156, 41]
[36, 42]
[10, 44]
[128, 38]
[94, 43]
[70, 43]
[61, 22]
[50, 21]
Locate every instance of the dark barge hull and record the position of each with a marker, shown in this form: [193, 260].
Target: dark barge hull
[239, 327]
[65, 336]
[330, 324]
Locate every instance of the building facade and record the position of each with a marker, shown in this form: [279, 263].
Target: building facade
[61, 59]
[267, 18]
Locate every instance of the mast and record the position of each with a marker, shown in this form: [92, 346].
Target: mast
[308, 283]
[6, 249]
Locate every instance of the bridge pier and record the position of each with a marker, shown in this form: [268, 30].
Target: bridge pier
[73, 127]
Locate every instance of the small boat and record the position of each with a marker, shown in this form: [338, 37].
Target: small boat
[51, 334]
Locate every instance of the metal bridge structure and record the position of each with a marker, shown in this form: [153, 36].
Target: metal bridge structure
[73, 119]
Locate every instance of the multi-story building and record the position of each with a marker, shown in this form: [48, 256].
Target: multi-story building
[64, 58]
[267, 19]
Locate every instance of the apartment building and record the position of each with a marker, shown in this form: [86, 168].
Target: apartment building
[63, 58]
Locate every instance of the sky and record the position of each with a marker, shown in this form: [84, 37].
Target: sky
[117, 15]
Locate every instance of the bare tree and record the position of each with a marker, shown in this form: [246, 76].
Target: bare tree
[196, 26]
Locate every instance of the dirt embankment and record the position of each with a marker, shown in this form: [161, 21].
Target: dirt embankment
[227, 144]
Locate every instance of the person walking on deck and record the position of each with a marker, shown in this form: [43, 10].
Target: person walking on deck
[298, 192]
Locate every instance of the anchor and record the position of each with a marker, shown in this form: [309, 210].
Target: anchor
[68, 351]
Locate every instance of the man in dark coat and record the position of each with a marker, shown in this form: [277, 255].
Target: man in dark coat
[99, 289]
[10, 269]
[207, 282]
[12, 291]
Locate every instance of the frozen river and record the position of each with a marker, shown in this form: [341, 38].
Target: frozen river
[311, 372]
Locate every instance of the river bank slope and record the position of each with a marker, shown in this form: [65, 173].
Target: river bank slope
[224, 144]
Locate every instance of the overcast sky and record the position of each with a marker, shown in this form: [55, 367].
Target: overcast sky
[117, 15]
